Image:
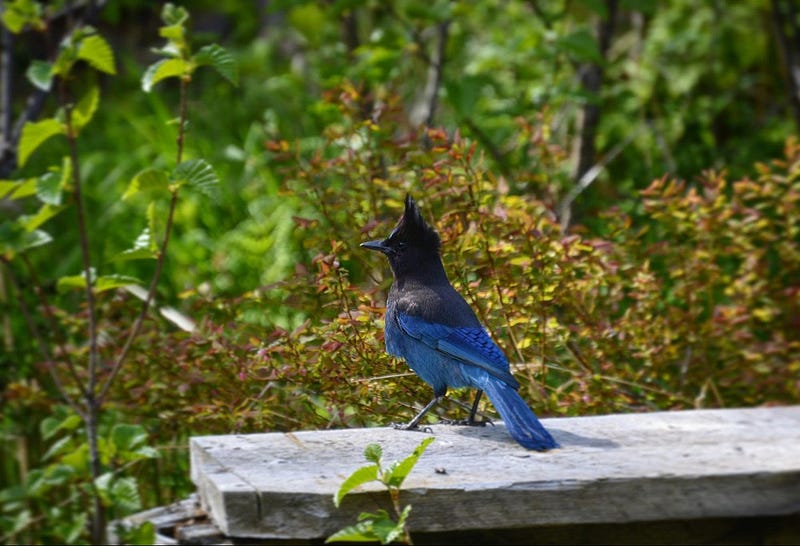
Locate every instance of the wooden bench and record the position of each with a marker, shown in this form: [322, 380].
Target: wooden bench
[712, 476]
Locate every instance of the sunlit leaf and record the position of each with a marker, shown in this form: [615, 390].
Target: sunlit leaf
[86, 107]
[358, 477]
[100, 284]
[34, 133]
[401, 470]
[40, 74]
[46, 212]
[147, 180]
[174, 33]
[18, 189]
[96, 51]
[144, 248]
[18, 13]
[198, 174]
[165, 68]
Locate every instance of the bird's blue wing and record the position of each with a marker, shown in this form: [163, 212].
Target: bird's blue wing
[469, 345]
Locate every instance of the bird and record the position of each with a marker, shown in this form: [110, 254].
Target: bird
[430, 325]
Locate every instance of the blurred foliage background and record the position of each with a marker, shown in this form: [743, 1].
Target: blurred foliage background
[617, 185]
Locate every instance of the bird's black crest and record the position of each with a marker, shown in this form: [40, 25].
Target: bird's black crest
[414, 230]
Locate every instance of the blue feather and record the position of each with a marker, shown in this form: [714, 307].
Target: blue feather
[430, 325]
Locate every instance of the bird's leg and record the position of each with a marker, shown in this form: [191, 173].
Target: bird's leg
[470, 421]
[414, 423]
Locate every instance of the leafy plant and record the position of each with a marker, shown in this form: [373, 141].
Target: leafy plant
[65, 475]
[85, 387]
[379, 526]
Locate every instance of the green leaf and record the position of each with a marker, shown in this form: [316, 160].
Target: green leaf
[173, 33]
[218, 58]
[101, 284]
[34, 134]
[146, 452]
[18, 13]
[58, 474]
[377, 527]
[96, 51]
[358, 477]
[128, 437]
[59, 446]
[386, 529]
[398, 472]
[110, 282]
[78, 281]
[77, 459]
[198, 174]
[19, 522]
[153, 221]
[360, 532]
[373, 453]
[174, 15]
[51, 425]
[86, 107]
[48, 188]
[40, 74]
[46, 212]
[147, 180]
[75, 527]
[144, 248]
[139, 534]
[103, 486]
[125, 495]
[14, 239]
[18, 189]
[165, 68]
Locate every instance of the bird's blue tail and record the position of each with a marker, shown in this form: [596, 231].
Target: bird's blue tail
[521, 422]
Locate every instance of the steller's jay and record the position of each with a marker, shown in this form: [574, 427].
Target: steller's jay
[430, 325]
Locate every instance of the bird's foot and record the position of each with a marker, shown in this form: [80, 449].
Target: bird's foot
[466, 422]
[411, 426]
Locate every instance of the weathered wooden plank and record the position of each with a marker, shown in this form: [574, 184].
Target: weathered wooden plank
[610, 469]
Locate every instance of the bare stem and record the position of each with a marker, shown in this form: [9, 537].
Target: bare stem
[83, 234]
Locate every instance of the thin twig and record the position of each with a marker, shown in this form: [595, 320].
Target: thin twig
[162, 254]
[83, 235]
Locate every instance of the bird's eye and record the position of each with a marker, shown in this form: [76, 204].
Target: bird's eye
[401, 245]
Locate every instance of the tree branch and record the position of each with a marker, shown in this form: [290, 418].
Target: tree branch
[430, 97]
[591, 75]
[788, 49]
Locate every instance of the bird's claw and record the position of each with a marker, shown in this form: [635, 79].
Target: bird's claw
[408, 426]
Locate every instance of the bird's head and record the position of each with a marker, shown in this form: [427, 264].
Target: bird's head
[412, 242]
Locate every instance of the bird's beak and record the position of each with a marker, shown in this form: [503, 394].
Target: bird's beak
[376, 245]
